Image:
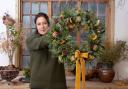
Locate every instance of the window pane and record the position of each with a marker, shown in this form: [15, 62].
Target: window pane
[55, 8]
[26, 52]
[84, 6]
[26, 8]
[102, 18]
[27, 32]
[58, 7]
[67, 5]
[26, 21]
[44, 7]
[101, 9]
[33, 23]
[83, 35]
[92, 6]
[25, 0]
[26, 61]
[35, 8]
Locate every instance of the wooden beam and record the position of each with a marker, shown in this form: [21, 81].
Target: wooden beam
[96, 1]
[112, 20]
[49, 8]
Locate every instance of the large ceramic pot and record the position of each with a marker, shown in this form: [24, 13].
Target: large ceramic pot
[106, 75]
[9, 72]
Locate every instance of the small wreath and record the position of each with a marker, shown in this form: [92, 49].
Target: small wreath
[61, 41]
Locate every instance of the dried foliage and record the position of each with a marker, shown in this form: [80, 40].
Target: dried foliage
[117, 52]
[14, 36]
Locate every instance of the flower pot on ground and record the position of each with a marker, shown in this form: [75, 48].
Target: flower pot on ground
[106, 75]
[9, 72]
[108, 58]
[105, 71]
[91, 73]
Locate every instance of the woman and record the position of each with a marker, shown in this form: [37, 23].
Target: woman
[46, 72]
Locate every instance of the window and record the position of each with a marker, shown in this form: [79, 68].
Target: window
[29, 8]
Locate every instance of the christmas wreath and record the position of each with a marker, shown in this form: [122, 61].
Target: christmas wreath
[61, 41]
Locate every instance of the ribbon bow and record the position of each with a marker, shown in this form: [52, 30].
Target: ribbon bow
[80, 64]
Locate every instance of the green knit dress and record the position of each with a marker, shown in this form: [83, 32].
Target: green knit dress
[46, 72]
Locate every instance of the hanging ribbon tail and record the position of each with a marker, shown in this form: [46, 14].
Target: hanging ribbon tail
[78, 73]
[83, 73]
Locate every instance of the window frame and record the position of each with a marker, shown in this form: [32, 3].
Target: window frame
[109, 20]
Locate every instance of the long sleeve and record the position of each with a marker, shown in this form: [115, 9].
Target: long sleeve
[36, 42]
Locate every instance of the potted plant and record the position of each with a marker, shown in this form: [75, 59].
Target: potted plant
[14, 37]
[9, 46]
[112, 54]
[108, 58]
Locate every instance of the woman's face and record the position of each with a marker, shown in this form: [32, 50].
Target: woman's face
[42, 25]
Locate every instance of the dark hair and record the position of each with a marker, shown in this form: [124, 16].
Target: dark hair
[41, 14]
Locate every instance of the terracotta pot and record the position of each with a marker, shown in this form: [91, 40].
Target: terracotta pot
[106, 75]
[89, 74]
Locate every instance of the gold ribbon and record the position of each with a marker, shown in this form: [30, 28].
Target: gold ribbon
[80, 68]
